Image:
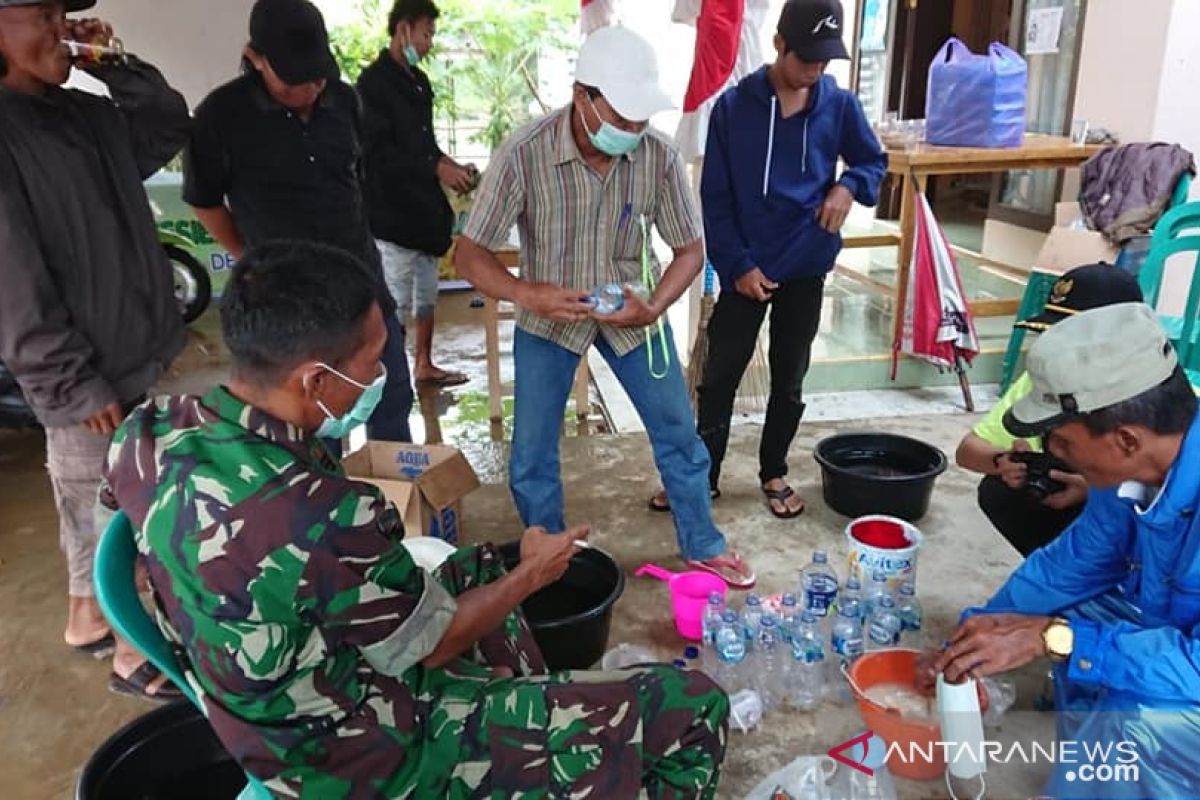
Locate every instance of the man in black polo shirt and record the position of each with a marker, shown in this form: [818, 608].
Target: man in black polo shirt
[410, 214]
[277, 154]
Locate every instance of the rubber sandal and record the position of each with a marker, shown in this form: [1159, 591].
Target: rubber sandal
[781, 496]
[727, 568]
[665, 509]
[446, 380]
[138, 682]
[103, 647]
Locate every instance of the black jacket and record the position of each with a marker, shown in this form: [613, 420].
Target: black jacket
[406, 203]
[87, 307]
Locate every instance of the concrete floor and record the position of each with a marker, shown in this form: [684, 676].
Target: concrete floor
[55, 708]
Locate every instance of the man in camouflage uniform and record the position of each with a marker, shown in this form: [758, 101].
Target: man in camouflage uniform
[331, 665]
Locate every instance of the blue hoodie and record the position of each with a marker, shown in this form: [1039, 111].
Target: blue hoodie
[766, 178]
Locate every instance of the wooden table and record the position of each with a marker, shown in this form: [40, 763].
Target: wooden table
[492, 314]
[914, 167]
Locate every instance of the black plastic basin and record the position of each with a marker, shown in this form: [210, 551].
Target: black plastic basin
[169, 754]
[570, 618]
[878, 473]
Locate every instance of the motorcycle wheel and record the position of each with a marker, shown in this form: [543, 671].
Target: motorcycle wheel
[193, 285]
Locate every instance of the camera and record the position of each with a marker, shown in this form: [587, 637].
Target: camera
[1038, 483]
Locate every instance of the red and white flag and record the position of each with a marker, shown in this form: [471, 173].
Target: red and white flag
[728, 48]
[597, 14]
[938, 326]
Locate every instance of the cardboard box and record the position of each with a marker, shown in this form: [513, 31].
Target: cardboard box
[427, 484]
[1069, 245]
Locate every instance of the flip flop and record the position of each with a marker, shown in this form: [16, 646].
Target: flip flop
[729, 569]
[139, 681]
[781, 496]
[664, 509]
[447, 379]
[103, 647]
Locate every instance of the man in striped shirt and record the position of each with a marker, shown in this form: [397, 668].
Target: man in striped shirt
[582, 185]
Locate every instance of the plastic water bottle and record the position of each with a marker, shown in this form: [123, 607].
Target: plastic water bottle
[847, 636]
[909, 609]
[851, 597]
[608, 299]
[807, 669]
[789, 617]
[752, 615]
[877, 589]
[819, 584]
[768, 661]
[731, 652]
[710, 624]
[883, 626]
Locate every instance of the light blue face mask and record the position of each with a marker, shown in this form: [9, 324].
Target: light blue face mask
[340, 427]
[611, 140]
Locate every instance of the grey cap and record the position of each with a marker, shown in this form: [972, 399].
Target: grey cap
[1090, 362]
[70, 5]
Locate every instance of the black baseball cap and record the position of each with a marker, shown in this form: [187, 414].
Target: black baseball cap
[69, 5]
[812, 29]
[291, 36]
[1082, 289]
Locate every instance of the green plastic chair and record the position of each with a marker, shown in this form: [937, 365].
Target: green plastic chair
[1181, 216]
[116, 592]
[1185, 329]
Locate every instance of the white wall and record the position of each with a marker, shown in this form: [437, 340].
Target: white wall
[196, 43]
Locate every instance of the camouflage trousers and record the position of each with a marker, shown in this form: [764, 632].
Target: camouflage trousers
[653, 731]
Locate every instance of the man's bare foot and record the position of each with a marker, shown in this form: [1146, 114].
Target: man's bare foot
[133, 674]
[86, 624]
[729, 567]
[784, 502]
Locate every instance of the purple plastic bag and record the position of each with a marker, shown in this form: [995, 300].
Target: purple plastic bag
[976, 100]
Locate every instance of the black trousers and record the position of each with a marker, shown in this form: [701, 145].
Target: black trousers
[1024, 521]
[732, 336]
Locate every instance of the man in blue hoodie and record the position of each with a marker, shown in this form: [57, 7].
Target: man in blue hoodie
[774, 204]
[1114, 601]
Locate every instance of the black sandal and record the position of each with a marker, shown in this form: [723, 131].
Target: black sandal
[138, 682]
[666, 507]
[781, 496]
[103, 647]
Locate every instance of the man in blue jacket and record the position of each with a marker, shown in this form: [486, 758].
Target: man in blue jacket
[773, 206]
[1115, 600]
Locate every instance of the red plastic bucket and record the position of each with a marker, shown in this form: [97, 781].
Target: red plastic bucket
[912, 737]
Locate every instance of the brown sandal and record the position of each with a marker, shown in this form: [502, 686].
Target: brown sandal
[782, 496]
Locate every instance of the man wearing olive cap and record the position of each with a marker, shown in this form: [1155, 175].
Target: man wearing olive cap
[1114, 601]
[584, 186]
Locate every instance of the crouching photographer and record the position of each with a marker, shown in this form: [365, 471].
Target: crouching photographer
[1029, 496]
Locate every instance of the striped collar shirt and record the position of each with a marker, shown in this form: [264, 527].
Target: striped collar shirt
[578, 229]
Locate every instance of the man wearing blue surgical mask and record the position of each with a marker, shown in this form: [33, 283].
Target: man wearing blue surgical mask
[584, 186]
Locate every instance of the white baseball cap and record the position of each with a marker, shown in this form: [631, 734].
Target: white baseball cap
[623, 66]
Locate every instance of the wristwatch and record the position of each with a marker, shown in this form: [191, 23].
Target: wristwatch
[1059, 639]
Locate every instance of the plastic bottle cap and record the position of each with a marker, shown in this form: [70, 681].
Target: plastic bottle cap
[820, 557]
[691, 651]
[876, 755]
[753, 600]
[680, 663]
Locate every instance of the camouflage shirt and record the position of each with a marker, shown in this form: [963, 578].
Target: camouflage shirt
[300, 617]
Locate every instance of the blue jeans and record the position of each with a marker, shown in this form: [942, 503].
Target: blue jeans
[544, 375]
[389, 423]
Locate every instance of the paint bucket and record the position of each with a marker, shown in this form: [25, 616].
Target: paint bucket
[883, 544]
[689, 595]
